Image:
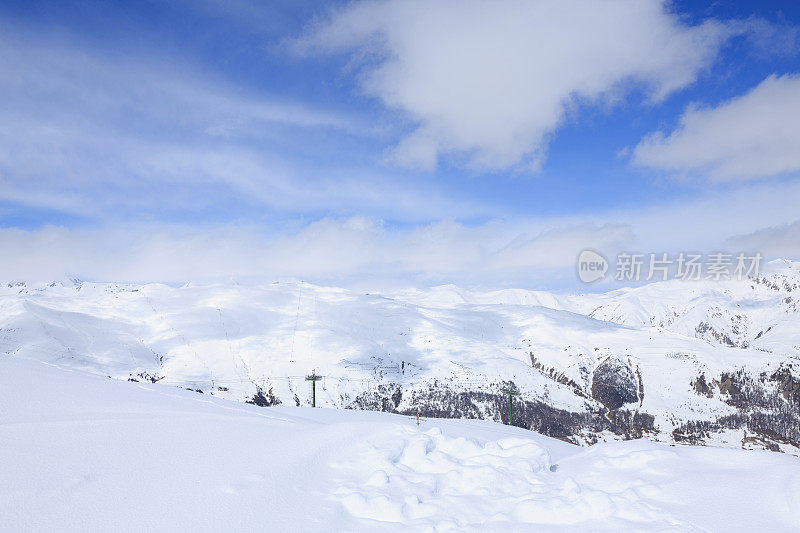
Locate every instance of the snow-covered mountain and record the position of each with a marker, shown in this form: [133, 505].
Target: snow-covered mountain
[697, 362]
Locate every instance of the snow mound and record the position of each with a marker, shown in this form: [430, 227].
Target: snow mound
[411, 476]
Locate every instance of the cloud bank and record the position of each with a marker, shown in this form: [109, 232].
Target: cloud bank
[364, 252]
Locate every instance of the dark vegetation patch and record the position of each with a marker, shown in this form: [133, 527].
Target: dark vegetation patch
[262, 399]
[440, 401]
[614, 384]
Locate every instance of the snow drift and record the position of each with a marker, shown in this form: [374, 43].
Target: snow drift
[82, 452]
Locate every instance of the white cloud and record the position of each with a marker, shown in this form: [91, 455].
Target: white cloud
[489, 81]
[99, 136]
[783, 240]
[365, 252]
[751, 136]
[558, 247]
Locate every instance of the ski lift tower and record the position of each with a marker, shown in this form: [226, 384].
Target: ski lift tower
[511, 393]
[313, 378]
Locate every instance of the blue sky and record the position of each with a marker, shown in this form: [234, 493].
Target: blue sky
[402, 143]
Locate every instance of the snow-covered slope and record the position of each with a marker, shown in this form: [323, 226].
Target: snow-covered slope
[674, 361]
[760, 312]
[80, 452]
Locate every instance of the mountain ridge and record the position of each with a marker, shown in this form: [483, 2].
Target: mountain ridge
[691, 362]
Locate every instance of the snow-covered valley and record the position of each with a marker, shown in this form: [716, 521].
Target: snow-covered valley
[690, 362]
[82, 452]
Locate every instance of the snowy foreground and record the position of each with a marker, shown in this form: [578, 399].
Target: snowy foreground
[86, 453]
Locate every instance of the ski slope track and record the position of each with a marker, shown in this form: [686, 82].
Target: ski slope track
[82, 452]
[707, 363]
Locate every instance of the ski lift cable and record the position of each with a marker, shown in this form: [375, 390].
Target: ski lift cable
[296, 320]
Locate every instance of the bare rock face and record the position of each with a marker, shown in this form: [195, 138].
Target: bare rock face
[614, 384]
[788, 385]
